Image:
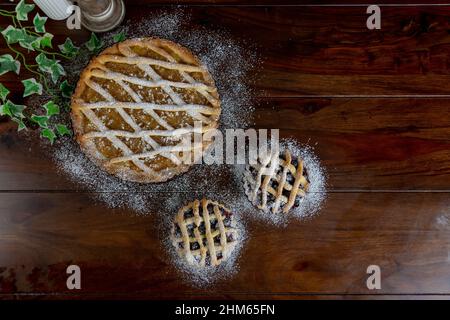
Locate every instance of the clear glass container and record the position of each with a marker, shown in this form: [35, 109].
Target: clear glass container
[101, 15]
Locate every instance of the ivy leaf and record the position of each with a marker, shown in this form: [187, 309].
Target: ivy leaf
[15, 112]
[94, 44]
[119, 37]
[20, 123]
[13, 35]
[66, 89]
[51, 66]
[42, 121]
[3, 92]
[39, 23]
[36, 44]
[29, 42]
[56, 71]
[8, 63]
[31, 87]
[46, 41]
[63, 130]
[12, 110]
[68, 48]
[43, 62]
[51, 108]
[22, 10]
[49, 134]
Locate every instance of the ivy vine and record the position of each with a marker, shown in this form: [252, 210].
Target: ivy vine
[48, 72]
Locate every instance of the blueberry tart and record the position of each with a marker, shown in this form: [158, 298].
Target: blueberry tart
[277, 182]
[204, 233]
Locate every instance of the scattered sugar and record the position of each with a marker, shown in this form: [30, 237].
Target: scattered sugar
[316, 194]
[229, 64]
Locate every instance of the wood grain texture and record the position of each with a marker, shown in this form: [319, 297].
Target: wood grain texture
[328, 51]
[364, 144]
[406, 234]
[374, 104]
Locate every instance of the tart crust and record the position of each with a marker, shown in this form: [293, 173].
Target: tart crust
[204, 233]
[277, 183]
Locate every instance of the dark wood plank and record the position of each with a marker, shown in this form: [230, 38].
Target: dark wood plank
[365, 144]
[406, 234]
[328, 51]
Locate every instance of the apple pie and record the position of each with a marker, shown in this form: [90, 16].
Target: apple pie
[277, 182]
[138, 105]
[204, 233]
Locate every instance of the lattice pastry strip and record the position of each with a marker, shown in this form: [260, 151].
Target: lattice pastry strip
[204, 233]
[277, 182]
[119, 85]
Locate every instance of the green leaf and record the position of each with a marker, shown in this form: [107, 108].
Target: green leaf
[36, 44]
[94, 44]
[46, 41]
[8, 63]
[51, 66]
[42, 121]
[49, 134]
[119, 37]
[29, 42]
[22, 10]
[20, 123]
[56, 71]
[39, 23]
[63, 130]
[66, 89]
[3, 92]
[51, 108]
[31, 87]
[13, 35]
[43, 62]
[68, 48]
[15, 112]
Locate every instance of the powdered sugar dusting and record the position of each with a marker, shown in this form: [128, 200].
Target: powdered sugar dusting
[225, 57]
[219, 182]
[316, 194]
[229, 63]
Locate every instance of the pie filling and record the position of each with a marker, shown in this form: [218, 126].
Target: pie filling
[204, 237]
[123, 80]
[282, 190]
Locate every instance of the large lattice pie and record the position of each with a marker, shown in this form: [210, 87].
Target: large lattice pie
[137, 106]
[277, 183]
[204, 233]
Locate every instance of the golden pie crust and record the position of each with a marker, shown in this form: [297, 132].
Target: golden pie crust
[137, 106]
[204, 233]
[277, 183]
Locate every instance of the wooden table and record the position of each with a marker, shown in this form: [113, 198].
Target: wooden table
[376, 105]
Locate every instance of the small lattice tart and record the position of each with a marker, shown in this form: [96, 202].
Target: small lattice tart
[204, 233]
[136, 105]
[277, 183]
